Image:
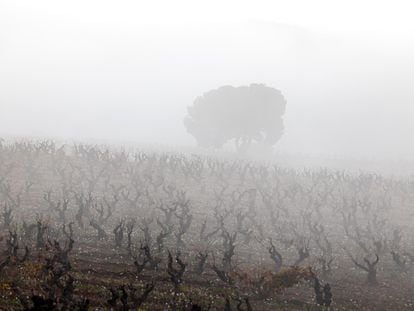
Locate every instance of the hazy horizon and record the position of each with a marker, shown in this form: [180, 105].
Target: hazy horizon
[128, 72]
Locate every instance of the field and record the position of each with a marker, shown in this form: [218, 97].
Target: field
[92, 227]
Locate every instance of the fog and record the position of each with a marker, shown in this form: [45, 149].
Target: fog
[206, 155]
[127, 71]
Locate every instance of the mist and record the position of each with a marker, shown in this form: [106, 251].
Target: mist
[218, 155]
[128, 72]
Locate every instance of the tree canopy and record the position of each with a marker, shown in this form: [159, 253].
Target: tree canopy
[242, 114]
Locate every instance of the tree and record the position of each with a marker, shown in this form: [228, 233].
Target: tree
[240, 114]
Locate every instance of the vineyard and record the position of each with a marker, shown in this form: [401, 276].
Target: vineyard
[88, 227]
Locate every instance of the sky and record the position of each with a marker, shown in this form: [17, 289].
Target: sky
[128, 70]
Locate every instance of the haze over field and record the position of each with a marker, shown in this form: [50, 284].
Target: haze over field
[128, 71]
[206, 155]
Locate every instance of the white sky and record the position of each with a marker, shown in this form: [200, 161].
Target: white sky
[128, 69]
